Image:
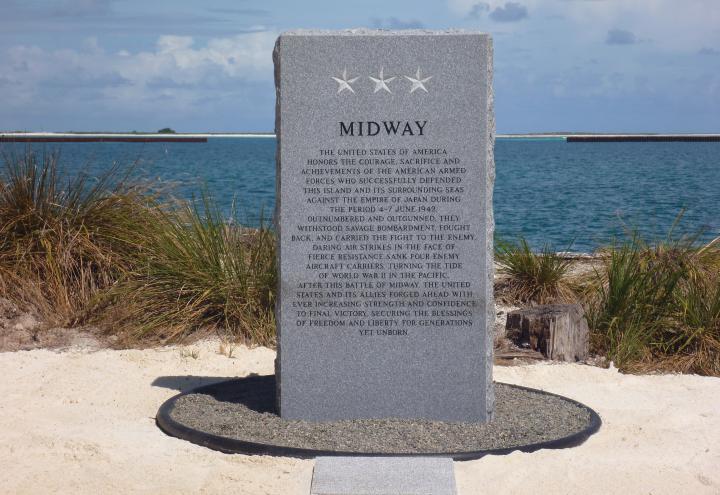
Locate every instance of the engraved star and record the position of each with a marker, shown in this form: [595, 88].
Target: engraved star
[381, 83]
[345, 83]
[418, 82]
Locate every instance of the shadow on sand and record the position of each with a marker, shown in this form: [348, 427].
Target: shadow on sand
[254, 391]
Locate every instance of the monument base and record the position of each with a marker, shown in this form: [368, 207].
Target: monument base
[239, 416]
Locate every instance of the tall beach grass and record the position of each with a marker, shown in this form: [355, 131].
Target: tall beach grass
[194, 271]
[61, 238]
[651, 306]
[107, 251]
[656, 306]
[533, 277]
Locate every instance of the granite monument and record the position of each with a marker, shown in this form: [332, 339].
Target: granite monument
[384, 214]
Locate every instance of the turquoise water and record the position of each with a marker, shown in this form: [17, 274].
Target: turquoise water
[566, 195]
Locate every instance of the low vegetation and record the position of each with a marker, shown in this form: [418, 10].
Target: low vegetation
[651, 306]
[194, 270]
[59, 236]
[107, 251]
[533, 277]
[657, 306]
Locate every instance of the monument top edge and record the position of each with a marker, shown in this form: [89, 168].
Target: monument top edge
[383, 32]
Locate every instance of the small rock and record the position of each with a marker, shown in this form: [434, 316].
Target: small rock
[25, 322]
[8, 309]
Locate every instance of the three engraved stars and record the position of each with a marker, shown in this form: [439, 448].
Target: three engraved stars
[381, 82]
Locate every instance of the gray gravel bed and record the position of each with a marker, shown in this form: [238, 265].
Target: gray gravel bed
[244, 409]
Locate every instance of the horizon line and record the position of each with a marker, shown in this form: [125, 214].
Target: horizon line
[262, 134]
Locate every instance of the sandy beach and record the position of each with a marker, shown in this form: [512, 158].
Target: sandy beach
[82, 421]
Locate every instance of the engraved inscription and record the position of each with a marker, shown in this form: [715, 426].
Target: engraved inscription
[382, 240]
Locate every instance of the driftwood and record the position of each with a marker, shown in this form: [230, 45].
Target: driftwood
[558, 331]
[509, 357]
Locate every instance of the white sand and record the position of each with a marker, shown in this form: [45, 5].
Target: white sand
[83, 422]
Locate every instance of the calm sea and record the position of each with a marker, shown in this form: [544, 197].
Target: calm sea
[565, 195]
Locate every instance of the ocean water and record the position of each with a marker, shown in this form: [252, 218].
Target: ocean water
[575, 196]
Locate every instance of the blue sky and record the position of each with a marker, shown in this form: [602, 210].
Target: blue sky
[560, 65]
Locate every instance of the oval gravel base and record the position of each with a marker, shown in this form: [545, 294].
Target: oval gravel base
[238, 416]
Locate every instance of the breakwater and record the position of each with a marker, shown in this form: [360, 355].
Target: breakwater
[100, 139]
[657, 138]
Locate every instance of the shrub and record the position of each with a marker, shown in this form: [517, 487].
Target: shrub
[106, 251]
[533, 277]
[658, 306]
[695, 344]
[59, 236]
[195, 271]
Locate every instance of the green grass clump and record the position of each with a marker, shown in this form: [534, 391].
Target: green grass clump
[695, 345]
[197, 271]
[105, 251]
[59, 235]
[533, 277]
[650, 306]
[657, 307]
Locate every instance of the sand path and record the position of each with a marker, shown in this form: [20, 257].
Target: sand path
[83, 423]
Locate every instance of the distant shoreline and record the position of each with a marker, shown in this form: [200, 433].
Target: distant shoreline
[141, 135]
[89, 138]
[115, 137]
[45, 137]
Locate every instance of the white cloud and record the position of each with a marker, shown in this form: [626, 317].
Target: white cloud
[177, 67]
[247, 56]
